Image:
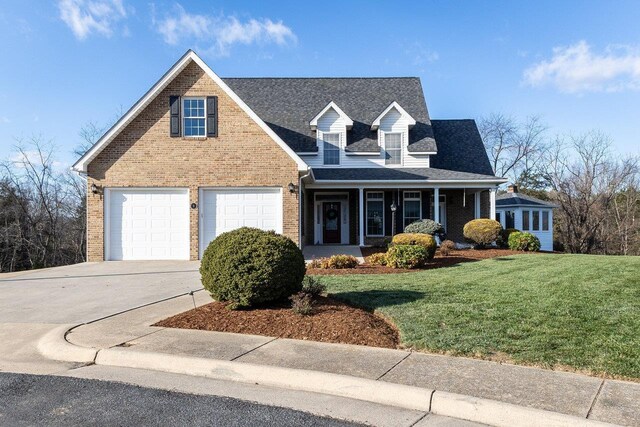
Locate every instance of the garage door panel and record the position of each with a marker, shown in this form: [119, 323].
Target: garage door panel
[148, 224]
[224, 210]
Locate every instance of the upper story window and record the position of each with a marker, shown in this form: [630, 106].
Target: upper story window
[194, 117]
[393, 148]
[331, 148]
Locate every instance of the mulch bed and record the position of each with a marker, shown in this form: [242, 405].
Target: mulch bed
[455, 257]
[332, 321]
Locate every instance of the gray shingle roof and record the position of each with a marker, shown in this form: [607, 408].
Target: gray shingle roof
[519, 199]
[394, 174]
[288, 104]
[460, 147]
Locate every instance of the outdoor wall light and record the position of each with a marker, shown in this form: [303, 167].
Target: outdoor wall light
[292, 187]
[95, 189]
[393, 207]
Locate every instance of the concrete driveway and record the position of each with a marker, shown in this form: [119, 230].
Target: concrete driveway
[84, 292]
[33, 303]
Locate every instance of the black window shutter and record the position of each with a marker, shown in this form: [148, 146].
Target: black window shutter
[174, 123]
[212, 116]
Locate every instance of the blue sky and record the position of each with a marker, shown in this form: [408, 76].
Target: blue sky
[575, 63]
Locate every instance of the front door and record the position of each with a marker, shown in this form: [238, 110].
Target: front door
[331, 222]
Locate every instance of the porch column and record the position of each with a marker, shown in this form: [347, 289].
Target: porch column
[492, 203]
[361, 216]
[436, 204]
[476, 200]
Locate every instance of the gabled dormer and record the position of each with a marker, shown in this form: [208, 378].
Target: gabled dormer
[331, 125]
[393, 126]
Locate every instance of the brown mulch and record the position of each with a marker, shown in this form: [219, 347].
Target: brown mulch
[439, 261]
[332, 321]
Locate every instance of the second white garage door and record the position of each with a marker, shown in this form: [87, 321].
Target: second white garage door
[224, 210]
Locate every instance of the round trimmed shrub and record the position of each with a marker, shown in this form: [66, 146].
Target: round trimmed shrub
[407, 256]
[519, 241]
[447, 247]
[425, 240]
[339, 261]
[249, 266]
[503, 240]
[425, 226]
[482, 231]
[379, 258]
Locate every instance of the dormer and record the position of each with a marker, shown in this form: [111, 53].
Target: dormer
[331, 125]
[393, 126]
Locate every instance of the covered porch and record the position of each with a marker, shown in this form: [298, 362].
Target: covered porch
[371, 215]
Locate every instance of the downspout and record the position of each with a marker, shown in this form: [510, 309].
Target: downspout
[301, 213]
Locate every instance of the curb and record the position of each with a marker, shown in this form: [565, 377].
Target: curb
[54, 345]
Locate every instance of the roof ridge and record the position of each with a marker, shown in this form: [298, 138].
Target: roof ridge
[324, 78]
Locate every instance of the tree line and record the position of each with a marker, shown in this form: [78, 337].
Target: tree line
[43, 204]
[597, 192]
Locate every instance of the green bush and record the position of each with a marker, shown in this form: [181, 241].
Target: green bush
[425, 226]
[249, 266]
[379, 258]
[447, 247]
[407, 256]
[519, 241]
[482, 232]
[313, 286]
[503, 239]
[425, 240]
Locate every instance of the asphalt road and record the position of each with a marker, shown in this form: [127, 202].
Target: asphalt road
[63, 401]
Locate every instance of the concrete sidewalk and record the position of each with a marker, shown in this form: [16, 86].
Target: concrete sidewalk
[565, 393]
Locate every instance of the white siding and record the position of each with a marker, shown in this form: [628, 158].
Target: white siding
[546, 237]
[392, 122]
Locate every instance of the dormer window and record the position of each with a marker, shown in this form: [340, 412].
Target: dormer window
[331, 148]
[193, 117]
[393, 148]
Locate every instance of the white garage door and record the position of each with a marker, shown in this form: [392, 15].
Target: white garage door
[227, 209]
[147, 224]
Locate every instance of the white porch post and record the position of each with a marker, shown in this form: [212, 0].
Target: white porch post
[361, 216]
[436, 204]
[476, 201]
[492, 203]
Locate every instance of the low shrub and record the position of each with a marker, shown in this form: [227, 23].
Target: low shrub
[315, 263]
[302, 303]
[379, 258]
[249, 266]
[313, 286]
[339, 261]
[503, 239]
[407, 256]
[482, 232]
[519, 241]
[425, 240]
[425, 226]
[447, 247]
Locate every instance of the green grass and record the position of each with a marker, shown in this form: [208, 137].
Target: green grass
[577, 311]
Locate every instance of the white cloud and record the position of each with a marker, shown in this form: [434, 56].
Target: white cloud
[85, 17]
[222, 32]
[577, 69]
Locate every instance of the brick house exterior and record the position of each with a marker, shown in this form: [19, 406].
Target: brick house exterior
[140, 153]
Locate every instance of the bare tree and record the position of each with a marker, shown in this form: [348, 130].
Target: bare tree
[585, 180]
[514, 148]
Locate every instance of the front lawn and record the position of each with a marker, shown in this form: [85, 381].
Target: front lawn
[565, 311]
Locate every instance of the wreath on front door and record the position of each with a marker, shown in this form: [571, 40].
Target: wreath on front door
[332, 214]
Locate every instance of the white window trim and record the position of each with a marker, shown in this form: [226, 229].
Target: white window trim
[366, 216]
[322, 142]
[384, 148]
[182, 118]
[410, 199]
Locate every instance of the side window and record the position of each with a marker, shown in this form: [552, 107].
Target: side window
[536, 220]
[545, 220]
[375, 213]
[525, 220]
[393, 148]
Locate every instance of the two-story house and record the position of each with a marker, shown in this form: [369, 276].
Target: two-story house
[321, 160]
